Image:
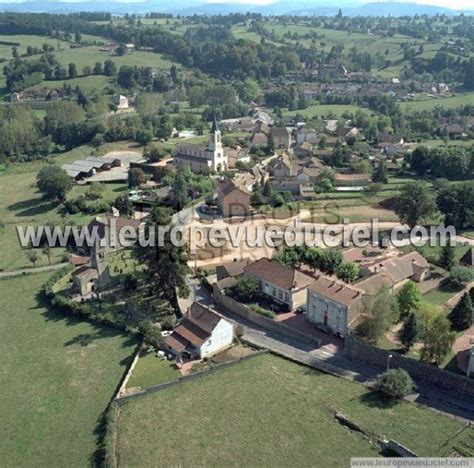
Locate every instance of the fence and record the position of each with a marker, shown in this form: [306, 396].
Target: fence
[187, 378]
[248, 314]
[357, 350]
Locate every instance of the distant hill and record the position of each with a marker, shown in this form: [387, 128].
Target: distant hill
[192, 7]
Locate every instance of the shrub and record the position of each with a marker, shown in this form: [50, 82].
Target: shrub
[262, 311]
[168, 323]
[460, 275]
[395, 384]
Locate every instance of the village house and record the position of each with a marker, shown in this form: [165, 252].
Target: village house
[306, 135]
[332, 304]
[200, 158]
[236, 154]
[283, 167]
[233, 269]
[304, 150]
[398, 269]
[281, 137]
[201, 333]
[233, 199]
[280, 283]
[121, 102]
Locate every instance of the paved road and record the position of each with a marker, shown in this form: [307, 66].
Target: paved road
[331, 361]
[26, 271]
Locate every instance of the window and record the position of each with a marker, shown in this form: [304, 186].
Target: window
[287, 297]
[280, 294]
[274, 293]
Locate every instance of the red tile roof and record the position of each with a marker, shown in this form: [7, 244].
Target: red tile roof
[278, 274]
[335, 290]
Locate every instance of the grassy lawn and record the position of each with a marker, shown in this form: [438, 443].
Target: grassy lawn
[441, 295]
[267, 409]
[58, 375]
[326, 110]
[445, 103]
[152, 370]
[21, 204]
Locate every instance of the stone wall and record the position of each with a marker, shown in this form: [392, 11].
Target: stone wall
[248, 314]
[357, 350]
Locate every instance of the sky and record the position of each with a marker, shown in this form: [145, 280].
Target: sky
[453, 4]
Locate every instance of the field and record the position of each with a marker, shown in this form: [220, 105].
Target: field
[58, 375]
[269, 411]
[445, 103]
[326, 111]
[21, 204]
[84, 56]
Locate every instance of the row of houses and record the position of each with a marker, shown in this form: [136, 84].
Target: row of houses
[331, 304]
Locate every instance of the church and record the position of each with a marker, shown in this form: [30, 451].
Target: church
[200, 158]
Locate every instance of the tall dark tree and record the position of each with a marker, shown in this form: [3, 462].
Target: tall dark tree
[380, 173]
[166, 264]
[410, 331]
[461, 317]
[72, 70]
[447, 257]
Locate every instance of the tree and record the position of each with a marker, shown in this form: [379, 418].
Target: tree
[150, 332]
[447, 257]
[32, 256]
[95, 191]
[395, 384]
[256, 198]
[144, 136]
[180, 188]
[410, 331]
[330, 260]
[437, 340]
[459, 276]
[288, 256]
[110, 69]
[154, 153]
[246, 289]
[72, 70]
[124, 205]
[380, 173]
[420, 160]
[54, 183]
[456, 203]
[347, 271]
[98, 69]
[136, 177]
[381, 311]
[166, 263]
[462, 315]
[47, 252]
[414, 203]
[267, 189]
[409, 297]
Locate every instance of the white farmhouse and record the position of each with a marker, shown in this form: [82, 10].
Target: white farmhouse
[202, 333]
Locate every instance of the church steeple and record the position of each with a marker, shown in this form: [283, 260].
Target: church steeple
[215, 127]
